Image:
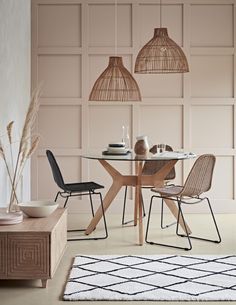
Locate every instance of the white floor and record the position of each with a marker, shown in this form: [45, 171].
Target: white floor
[121, 240]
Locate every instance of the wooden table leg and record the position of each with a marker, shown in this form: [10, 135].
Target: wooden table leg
[138, 203]
[135, 200]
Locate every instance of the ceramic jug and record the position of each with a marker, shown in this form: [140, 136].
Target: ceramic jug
[141, 146]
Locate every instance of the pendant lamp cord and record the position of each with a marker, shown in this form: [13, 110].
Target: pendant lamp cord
[160, 15]
[115, 27]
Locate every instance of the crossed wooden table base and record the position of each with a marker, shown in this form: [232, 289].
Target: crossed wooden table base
[138, 180]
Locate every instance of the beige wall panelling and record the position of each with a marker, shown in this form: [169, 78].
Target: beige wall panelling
[57, 65]
[186, 87]
[222, 187]
[105, 124]
[212, 96]
[102, 25]
[62, 121]
[60, 75]
[216, 128]
[206, 30]
[85, 86]
[163, 124]
[74, 51]
[206, 75]
[161, 86]
[54, 30]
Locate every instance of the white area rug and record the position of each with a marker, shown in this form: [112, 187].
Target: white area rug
[152, 277]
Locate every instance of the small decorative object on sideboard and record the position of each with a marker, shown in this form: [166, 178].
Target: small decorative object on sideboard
[10, 218]
[141, 146]
[38, 208]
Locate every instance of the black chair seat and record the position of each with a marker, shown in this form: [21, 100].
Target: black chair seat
[83, 187]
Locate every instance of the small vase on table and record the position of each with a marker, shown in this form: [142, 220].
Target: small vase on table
[141, 146]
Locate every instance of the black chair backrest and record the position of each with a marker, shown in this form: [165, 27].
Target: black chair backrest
[55, 170]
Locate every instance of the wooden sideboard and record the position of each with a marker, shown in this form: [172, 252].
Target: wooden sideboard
[33, 248]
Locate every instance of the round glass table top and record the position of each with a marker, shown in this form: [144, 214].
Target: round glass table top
[131, 156]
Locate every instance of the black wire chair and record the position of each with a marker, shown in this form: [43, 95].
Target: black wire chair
[150, 168]
[76, 189]
[198, 182]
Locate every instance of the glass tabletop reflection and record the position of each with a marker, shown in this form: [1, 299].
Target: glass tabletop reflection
[131, 156]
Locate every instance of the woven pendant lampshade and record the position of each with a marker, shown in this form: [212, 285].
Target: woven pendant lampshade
[161, 55]
[115, 84]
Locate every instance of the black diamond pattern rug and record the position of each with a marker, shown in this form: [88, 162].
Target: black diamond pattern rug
[152, 277]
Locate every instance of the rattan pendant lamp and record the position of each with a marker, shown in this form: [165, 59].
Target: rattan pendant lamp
[161, 54]
[115, 83]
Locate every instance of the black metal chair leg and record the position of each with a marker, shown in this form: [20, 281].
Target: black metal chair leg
[124, 206]
[213, 217]
[65, 203]
[104, 217]
[92, 238]
[162, 217]
[185, 227]
[91, 203]
[67, 197]
[160, 244]
[162, 210]
[148, 220]
[216, 227]
[177, 226]
[55, 200]
[144, 212]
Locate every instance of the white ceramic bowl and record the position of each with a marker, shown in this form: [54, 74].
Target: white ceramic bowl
[117, 144]
[38, 208]
[117, 149]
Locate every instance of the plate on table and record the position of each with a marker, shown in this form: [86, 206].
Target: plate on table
[174, 155]
[117, 153]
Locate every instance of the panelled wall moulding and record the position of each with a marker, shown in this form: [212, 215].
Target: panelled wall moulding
[71, 43]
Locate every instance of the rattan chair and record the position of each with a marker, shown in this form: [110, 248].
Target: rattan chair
[198, 182]
[150, 168]
[76, 189]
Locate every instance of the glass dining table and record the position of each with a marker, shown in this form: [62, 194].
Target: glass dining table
[136, 180]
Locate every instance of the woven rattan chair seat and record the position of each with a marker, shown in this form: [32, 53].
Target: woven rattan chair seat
[168, 191]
